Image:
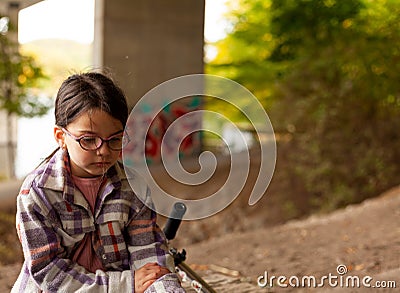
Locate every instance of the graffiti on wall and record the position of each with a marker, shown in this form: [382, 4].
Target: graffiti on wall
[168, 136]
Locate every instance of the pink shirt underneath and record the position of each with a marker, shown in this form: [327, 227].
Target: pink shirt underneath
[85, 254]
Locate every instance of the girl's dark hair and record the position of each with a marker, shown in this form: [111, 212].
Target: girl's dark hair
[84, 92]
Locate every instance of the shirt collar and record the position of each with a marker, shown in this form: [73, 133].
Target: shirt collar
[56, 175]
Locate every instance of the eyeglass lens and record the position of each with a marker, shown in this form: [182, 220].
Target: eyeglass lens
[93, 143]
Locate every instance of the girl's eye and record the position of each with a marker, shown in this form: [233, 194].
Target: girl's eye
[115, 142]
[89, 140]
[116, 139]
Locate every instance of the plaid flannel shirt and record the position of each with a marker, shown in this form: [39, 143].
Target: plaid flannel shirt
[53, 217]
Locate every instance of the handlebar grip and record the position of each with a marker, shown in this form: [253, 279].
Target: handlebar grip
[174, 220]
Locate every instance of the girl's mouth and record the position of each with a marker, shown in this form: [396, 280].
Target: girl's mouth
[101, 164]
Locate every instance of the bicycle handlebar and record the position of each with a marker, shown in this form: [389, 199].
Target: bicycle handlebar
[174, 220]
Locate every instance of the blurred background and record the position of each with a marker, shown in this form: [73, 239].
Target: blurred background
[326, 71]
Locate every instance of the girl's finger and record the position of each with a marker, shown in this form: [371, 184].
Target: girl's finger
[163, 271]
[147, 284]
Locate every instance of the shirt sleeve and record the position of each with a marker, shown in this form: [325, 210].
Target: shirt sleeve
[43, 251]
[147, 243]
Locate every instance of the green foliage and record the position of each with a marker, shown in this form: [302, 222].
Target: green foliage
[59, 59]
[244, 54]
[298, 24]
[327, 71]
[19, 75]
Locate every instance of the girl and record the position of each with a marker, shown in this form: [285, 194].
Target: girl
[81, 226]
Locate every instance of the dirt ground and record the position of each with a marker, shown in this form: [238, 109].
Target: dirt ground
[365, 238]
[236, 247]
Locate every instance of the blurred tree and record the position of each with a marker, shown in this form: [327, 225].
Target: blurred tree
[244, 54]
[327, 71]
[18, 77]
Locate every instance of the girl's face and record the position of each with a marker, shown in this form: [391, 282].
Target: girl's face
[90, 163]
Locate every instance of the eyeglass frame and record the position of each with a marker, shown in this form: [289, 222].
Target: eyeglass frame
[103, 140]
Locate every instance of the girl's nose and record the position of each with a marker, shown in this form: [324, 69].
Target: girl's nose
[104, 150]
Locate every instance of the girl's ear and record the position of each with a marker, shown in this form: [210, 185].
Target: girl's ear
[59, 136]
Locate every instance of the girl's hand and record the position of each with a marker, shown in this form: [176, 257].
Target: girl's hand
[146, 275]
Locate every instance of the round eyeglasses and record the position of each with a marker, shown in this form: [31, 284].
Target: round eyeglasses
[115, 142]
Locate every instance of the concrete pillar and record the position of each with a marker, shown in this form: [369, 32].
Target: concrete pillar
[147, 42]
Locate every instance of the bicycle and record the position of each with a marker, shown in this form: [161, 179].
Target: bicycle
[182, 269]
